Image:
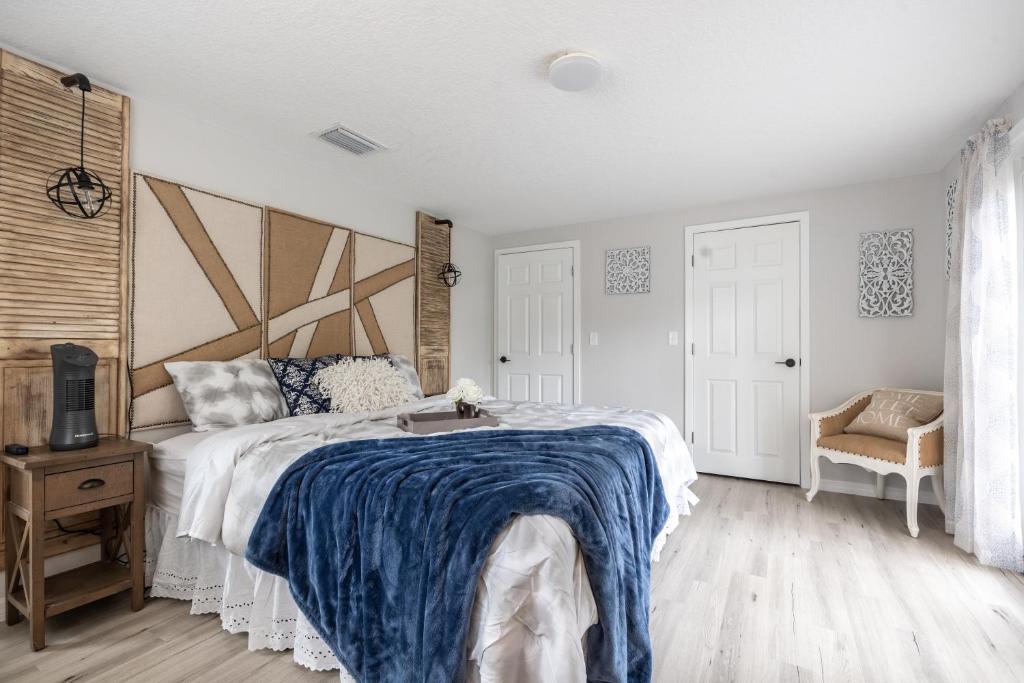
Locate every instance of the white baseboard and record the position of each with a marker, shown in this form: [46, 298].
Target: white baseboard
[892, 492]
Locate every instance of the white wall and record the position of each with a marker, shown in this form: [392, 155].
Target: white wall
[473, 298]
[634, 366]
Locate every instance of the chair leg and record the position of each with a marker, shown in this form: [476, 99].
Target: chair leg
[939, 489]
[815, 476]
[913, 484]
[879, 486]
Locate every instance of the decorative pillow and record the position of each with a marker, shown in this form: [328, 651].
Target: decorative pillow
[295, 377]
[408, 371]
[227, 393]
[891, 413]
[357, 385]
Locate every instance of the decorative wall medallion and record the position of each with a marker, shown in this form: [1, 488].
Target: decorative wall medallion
[886, 274]
[627, 271]
[950, 211]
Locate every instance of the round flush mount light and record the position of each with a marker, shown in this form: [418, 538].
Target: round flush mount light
[574, 71]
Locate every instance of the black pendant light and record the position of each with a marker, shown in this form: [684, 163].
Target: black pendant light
[449, 274]
[77, 191]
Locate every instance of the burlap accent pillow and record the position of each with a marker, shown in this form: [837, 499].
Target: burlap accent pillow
[891, 413]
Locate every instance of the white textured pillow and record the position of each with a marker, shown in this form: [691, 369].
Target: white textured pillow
[357, 385]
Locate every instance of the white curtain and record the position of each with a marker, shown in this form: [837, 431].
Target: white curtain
[982, 437]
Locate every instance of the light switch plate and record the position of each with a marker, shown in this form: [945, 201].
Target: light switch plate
[673, 338]
[593, 339]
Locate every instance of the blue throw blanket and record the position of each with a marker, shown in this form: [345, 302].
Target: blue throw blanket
[382, 541]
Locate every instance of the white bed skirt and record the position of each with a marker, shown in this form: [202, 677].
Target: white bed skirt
[248, 599]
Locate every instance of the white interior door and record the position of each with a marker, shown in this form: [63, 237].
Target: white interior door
[535, 326]
[746, 348]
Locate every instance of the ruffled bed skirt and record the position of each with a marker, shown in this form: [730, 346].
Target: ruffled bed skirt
[248, 600]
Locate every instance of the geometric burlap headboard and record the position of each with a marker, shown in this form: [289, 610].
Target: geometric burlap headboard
[196, 289]
[217, 279]
[332, 290]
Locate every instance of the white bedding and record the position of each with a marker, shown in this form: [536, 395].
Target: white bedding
[533, 600]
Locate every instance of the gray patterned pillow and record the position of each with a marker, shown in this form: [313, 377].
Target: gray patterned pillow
[408, 371]
[228, 393]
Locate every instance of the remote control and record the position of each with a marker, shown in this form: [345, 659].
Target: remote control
[16, 449]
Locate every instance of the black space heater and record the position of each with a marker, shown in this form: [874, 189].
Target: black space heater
[74, 397]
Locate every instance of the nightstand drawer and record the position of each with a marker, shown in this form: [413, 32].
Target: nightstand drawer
[88, 485]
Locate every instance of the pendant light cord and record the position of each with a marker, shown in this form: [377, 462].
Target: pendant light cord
[81, 145]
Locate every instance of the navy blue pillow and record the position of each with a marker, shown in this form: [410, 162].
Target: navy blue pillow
[295, 376]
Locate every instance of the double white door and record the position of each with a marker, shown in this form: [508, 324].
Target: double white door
[746, 352]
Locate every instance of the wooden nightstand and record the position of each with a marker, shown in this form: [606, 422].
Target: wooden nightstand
[46, 485]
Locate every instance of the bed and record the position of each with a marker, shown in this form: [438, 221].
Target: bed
[533, 600]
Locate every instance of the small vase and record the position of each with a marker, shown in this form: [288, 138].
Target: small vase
[465, 410]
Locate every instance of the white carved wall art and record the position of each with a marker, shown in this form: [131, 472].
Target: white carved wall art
[950, 212]
[627, 271]
[886, 274]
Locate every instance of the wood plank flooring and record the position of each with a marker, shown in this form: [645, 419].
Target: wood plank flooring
[758, 585]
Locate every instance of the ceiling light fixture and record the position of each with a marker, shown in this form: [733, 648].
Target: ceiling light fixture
[574, 71]
[76, 191]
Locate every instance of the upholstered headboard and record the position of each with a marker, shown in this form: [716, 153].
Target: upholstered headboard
[196, 289]
[332, 290]
[214, 278]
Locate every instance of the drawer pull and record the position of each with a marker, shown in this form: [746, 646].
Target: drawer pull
[91, 484]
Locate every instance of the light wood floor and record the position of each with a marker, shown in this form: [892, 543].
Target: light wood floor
[758, 585]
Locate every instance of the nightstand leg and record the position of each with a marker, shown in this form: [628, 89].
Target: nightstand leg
[138, 528]
[37, 581]
[11, 614]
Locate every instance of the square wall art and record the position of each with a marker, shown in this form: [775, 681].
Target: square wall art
[627, 271]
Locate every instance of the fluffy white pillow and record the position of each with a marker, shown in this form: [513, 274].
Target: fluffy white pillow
[357, 385]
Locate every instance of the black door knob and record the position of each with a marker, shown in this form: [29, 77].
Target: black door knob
[504, 359]
[789, 362]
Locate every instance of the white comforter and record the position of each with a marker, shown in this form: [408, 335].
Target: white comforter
[533, 601]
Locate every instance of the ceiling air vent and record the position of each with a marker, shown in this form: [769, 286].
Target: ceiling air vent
[350, 141]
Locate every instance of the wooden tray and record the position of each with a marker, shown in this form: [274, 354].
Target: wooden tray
[432, 423]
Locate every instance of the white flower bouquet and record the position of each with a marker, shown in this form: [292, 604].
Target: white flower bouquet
[465, 395]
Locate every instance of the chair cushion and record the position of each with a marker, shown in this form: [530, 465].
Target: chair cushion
[891, 413]
[870, 446]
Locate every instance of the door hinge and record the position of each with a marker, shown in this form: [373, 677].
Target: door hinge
[572, 349]
[691, 437]
[572, 271]
[693, 349]
[693, 260]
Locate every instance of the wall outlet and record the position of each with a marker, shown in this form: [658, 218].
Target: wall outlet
[593, 339]
[673, 338]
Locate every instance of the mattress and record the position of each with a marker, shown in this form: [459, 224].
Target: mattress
[166, 469]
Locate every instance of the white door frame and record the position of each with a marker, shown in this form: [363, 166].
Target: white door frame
[804, 219]
[577, 328]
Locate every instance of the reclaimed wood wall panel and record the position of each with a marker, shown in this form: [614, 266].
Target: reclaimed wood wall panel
[61, 275]
[433, 305]
[61, 279]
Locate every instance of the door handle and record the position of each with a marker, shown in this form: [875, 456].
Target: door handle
[504, 359]
[789, 362]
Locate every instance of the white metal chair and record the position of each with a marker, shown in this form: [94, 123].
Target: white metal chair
[919, 457]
